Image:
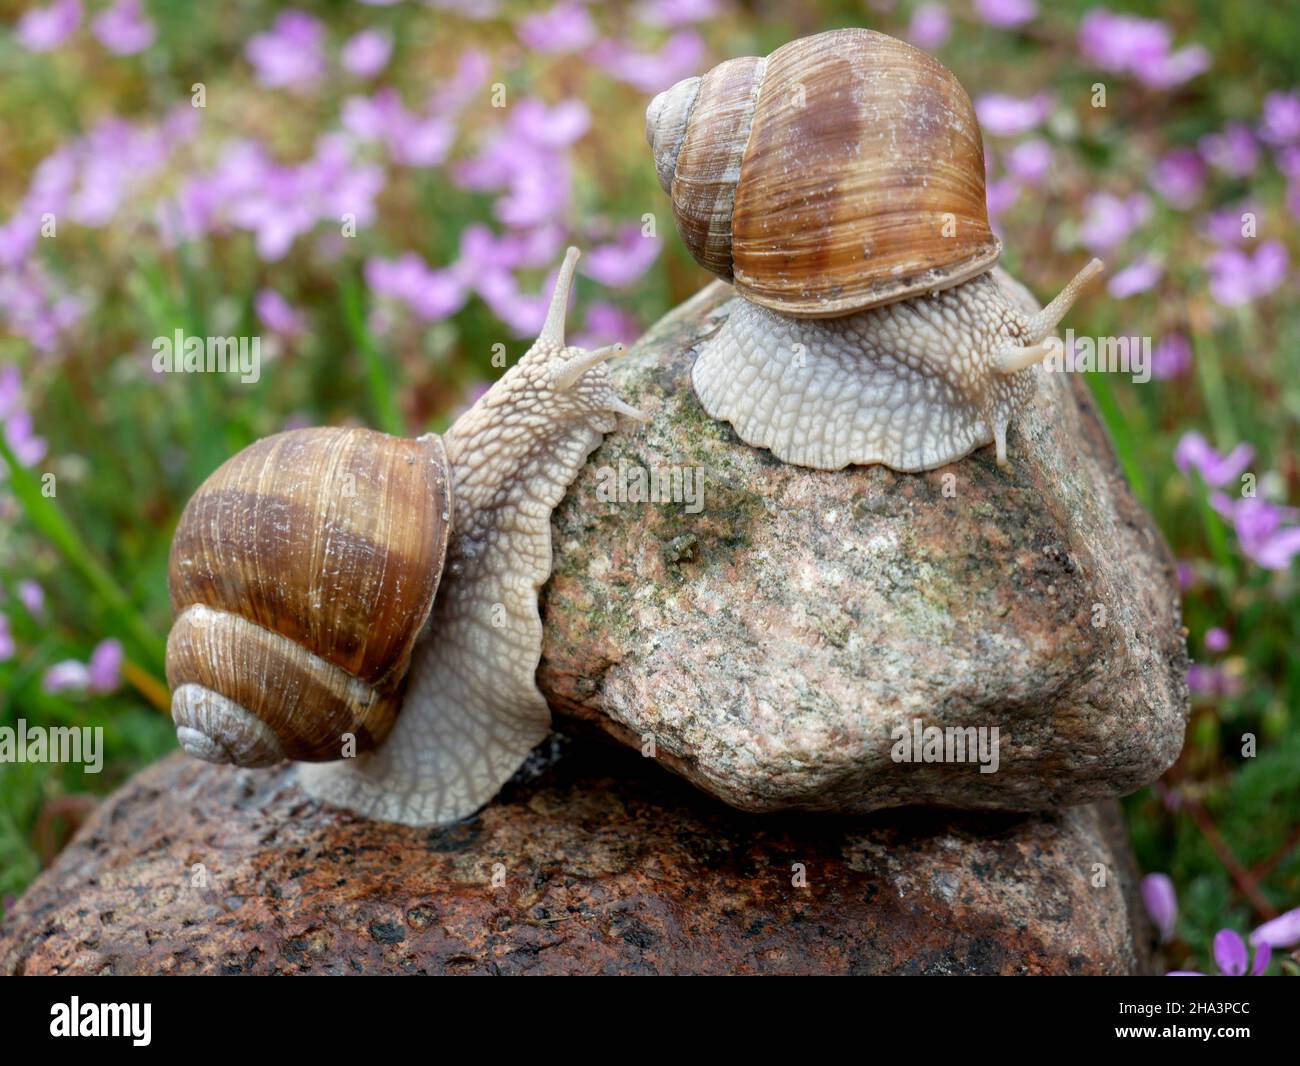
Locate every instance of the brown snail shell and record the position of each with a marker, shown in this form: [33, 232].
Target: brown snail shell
[301, 574]
[842, 172]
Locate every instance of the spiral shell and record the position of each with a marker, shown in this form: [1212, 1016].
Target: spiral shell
[301, 574]
[844, 171]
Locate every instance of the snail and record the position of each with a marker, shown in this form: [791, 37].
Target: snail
[341, 591]
[839, 185]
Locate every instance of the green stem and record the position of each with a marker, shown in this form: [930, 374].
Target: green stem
[1120, 435]
[380, 380]
[51, 522]
[1209, 370]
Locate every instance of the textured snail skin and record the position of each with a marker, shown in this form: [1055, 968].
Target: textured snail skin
[913, 385]
[472, 710]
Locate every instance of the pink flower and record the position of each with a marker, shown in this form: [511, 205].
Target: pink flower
[1176, 68]
[64, 676]
[1233, 150]
[28, 448]
[1000, 196]
[124, 28]
[669, 13]
[278, 203]
[411, 140]
[550, 127]
[1232, 958]
[1281, 118]
[43, 29]
[16, 422]
[1217, 639]
[11, 392]
[564, 28]
[1140, 276]
[1225, 225]
[1179, 176]
[1006, 12]
[290, 54]
[33, 306]
[277, 314]
[930, 26]
[1010, 116]
[524, 162]
[607, 324]
[1238, 278]
[1161, 903]
[623, 261]
[1281, 932]
[32, 597]
[431, 294]
[18, 237]
[101, 675]
[105, 667]
[483, 252]
[1194, 452]
[367, 53]
[1122, 42]
[1212, 682]
[1264, 538]
[524, 313]
[414, 139]
[1109, 220]
[1125, 43]
[471, 74]
[1288, 161]
[1030, 161]
[1171, 357]
[680, 57]
[7, 645]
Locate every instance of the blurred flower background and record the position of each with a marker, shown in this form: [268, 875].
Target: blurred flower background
[380, 191]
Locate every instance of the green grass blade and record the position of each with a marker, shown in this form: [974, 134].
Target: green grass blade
[51, 522]
[381, 381]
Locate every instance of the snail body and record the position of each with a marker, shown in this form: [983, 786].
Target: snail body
[341, 592]
[839, 185]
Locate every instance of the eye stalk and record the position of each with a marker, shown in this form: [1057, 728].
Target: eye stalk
[1038, 341]
[565, 376]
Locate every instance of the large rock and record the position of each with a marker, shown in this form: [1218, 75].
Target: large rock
[602, 864]
[769, 644]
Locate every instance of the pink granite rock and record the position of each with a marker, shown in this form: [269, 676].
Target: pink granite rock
[770, 643]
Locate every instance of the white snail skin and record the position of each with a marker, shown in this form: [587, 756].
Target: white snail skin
[472, 710]
[914, 384]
